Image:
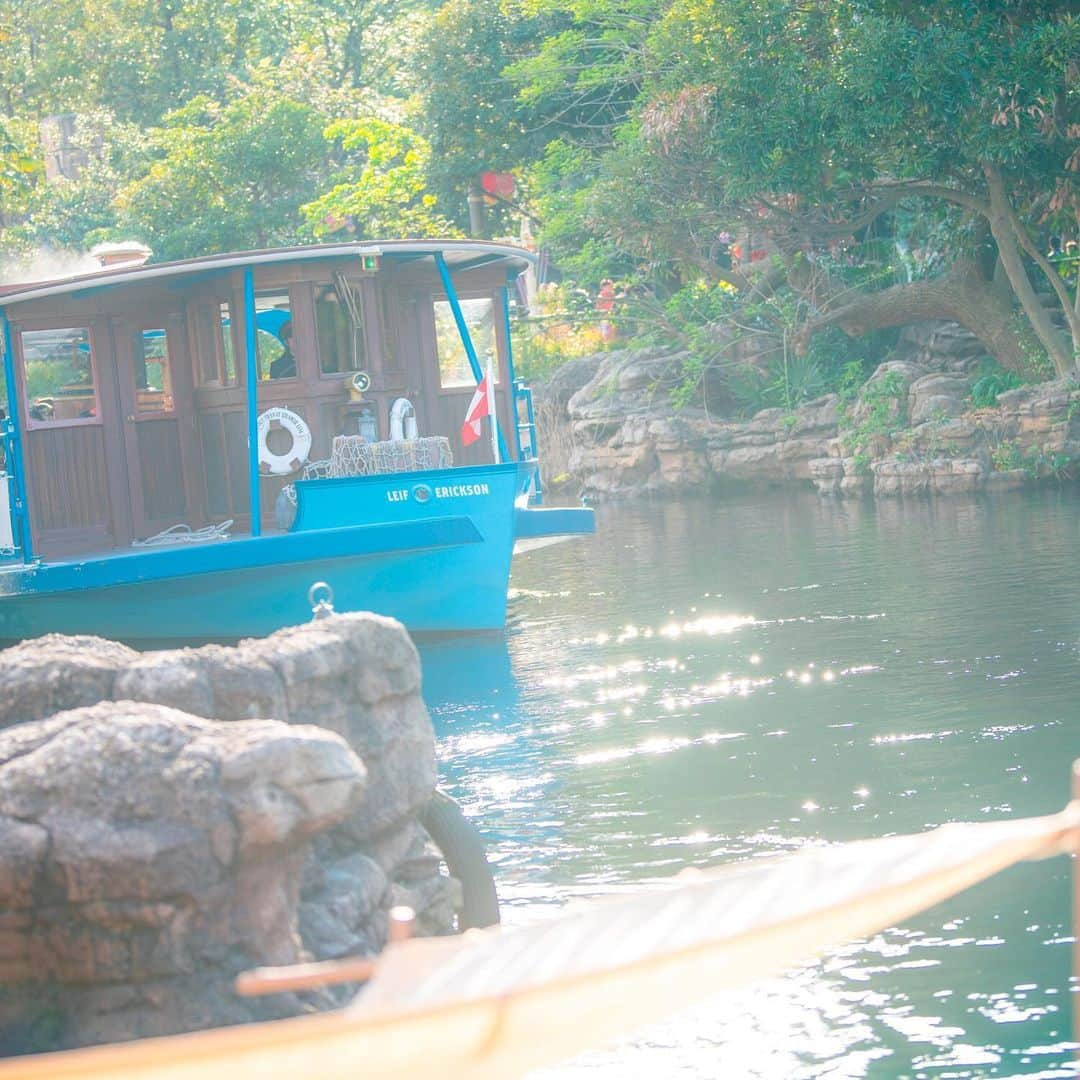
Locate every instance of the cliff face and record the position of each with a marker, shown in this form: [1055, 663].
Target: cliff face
[910, 430]
[170, 819]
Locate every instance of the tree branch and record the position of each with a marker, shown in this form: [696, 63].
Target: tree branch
[962, 296]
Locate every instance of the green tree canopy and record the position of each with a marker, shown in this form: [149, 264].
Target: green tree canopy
[227, 176]
[809, 127]
[856, 163]
[381, 190]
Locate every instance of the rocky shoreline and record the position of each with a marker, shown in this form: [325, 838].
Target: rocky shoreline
[170, 819]
[910, 430]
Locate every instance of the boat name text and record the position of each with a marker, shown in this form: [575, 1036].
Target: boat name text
[447, 491]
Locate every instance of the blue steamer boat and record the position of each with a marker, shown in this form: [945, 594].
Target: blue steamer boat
[188, 446]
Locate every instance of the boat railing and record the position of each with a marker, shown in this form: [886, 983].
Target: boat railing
[525, 434]
[13, 516]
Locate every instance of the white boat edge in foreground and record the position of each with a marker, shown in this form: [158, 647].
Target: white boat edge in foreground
[495, 1004]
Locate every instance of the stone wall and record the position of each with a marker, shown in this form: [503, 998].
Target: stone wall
[169, 819]
[628, 439]
[938, 448]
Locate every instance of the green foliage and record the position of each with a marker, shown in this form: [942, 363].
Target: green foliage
[1039, 463]
[566, 327]
[990, 382]
[542, 347]
[851, 141]
[785, 381]
[1037, 365]
[571, 200]
[44, 376]
[466, 107]
[1007, 456]
[882, 413]
[19, 168]
[140, 59]
[77, 213]
[786, 121]
[714, 321]
[702, 303]
[228, 177]
[849, 382]
[381, 190]
[1045, 463]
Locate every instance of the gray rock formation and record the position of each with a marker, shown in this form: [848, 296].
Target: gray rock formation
[145, 856]
[356, 674]
[220, 808]
[910, 430]
[937, 397]
[626, 436]
[54, 672]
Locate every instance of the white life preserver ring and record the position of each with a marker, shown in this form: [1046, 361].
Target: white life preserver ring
[294, 457]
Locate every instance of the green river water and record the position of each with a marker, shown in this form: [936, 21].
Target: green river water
[707, 681]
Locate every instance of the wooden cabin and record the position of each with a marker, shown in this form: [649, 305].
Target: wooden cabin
[132, 385]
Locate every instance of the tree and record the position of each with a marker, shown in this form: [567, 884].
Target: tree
[467, 108]
[381, 189]
[228, 177]
[74, 212]
[139, 59]
[815, 126]
[20, 170]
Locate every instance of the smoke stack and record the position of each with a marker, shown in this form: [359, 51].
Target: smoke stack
[128, 253]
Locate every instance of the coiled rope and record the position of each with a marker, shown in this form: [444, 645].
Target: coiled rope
[185, 534]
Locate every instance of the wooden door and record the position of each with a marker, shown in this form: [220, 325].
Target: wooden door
[157, 412]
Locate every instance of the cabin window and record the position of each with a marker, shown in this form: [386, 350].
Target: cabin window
[479, 315]
[339, 324]
[153, 384]
[217, 358]
[59, 369]
[273, 336]
[228, 353]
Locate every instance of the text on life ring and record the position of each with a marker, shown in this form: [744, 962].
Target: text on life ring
[294, 456]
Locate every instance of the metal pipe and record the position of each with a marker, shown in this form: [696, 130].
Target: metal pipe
[466, 340]
[20, 514]
[477, 215]
[510, 376]
[252, 376]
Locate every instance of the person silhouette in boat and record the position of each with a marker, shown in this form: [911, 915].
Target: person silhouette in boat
[284, 367]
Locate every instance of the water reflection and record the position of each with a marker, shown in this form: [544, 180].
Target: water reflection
[715, 680]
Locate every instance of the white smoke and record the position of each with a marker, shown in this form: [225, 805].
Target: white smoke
[46, 265]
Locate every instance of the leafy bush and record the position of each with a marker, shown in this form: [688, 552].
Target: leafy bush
[786, 382]
[831, 363]
[884, 414]
[566, 327]
[992, 381]
[1007, 456]
[541, 346]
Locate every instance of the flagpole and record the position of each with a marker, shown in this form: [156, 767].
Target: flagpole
[491, 411]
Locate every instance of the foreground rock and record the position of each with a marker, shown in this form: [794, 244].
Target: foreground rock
[219, 808]
[140, 848]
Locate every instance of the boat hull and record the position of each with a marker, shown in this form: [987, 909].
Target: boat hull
[431, 549]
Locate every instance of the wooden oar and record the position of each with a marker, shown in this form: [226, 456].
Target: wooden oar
[281, 980]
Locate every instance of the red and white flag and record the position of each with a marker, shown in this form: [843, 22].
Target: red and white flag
[479, 407]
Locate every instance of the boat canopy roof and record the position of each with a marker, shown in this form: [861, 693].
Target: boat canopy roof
[460, 255]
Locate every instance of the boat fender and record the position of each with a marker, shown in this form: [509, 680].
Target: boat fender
[297, 453]
[463, 850]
